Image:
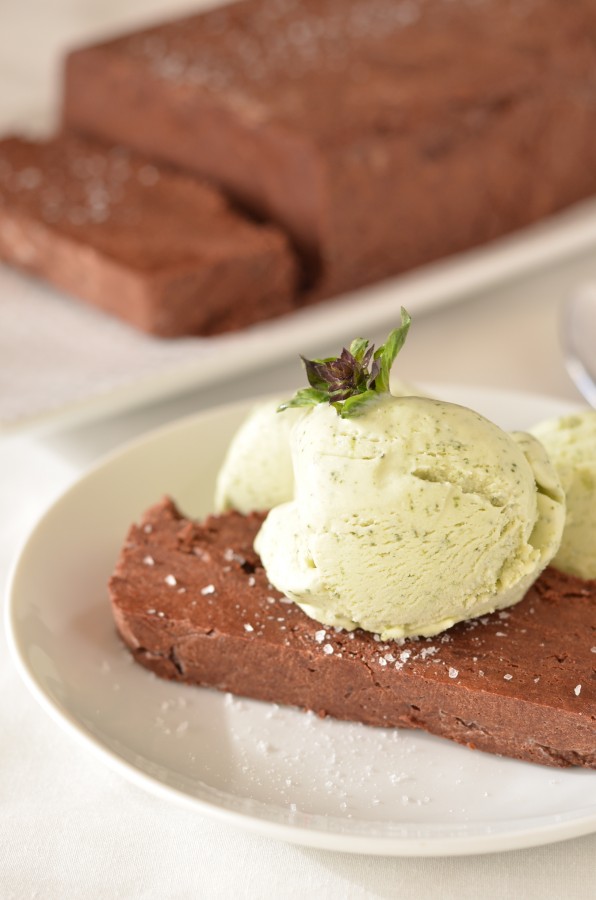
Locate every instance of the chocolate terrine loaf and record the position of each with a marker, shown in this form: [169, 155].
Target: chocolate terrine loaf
[193, 604]
[381, 134]
[163, 250]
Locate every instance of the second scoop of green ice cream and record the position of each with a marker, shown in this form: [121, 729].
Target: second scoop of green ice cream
[571, 445]
[410, 517]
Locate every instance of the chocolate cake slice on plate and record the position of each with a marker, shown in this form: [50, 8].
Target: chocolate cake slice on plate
[193, 603]
[162, 250]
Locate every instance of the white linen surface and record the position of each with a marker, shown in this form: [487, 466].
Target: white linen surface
[70, 828]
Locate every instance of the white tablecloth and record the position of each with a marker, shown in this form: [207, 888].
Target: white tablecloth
[69, 828]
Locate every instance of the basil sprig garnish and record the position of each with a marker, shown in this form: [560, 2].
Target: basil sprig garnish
[349, 381]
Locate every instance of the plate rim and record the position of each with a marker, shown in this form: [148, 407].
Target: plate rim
[474, 838]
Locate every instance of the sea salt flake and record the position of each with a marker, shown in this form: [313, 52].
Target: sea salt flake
[398, 778]
[382, 661]
[208, 589]
[148, 175]
[405, 655]
[320, 636]
[169, 579]
[151, 612]
[161, 614]
[148, 561]
[577, 690]
[453, 673]
[252, 581]
[508, 677]
[248, 627]
[328, 649]
[29, 178]
[231, 556]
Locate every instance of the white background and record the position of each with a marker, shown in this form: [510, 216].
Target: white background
[71, 829]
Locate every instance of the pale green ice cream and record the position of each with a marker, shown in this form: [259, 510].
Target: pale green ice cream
[257, 471]
[410, 517]
[571, 445]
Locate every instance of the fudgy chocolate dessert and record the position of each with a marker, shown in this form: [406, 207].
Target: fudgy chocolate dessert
[192, 602]
[163, 251]
[380, 134]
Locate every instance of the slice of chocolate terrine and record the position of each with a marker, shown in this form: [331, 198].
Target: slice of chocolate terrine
[380, 134]
[192, 602]
[161, 250]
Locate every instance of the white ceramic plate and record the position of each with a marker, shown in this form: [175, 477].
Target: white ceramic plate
[277, 771]
[64, 362]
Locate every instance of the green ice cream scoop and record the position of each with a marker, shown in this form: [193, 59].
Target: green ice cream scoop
[571, 445]
[411, 516]
[257, 470]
